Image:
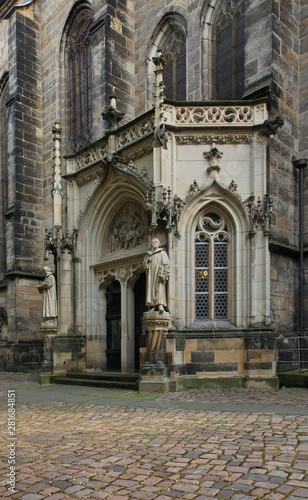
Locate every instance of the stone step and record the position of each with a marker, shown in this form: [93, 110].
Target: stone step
[127, 381]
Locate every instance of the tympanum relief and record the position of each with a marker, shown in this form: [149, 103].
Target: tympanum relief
[127, 230]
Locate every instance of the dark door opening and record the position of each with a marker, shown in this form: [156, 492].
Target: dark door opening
[113, 319]
[140, 308]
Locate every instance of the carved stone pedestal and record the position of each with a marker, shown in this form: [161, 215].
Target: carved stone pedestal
[50, 330]
[154, 372]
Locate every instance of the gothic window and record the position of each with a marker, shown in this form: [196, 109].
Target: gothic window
[229, 56]
[211, 267]
[80, 79]
[174, 50]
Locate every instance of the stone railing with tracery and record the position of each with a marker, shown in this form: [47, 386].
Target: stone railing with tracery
[239, 115]
[135, 132]
[88, 158]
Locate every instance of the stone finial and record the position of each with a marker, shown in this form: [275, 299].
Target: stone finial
[112, 115]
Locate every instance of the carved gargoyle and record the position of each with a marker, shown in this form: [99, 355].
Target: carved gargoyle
[270, 127]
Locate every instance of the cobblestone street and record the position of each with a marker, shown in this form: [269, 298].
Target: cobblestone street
[75, 443]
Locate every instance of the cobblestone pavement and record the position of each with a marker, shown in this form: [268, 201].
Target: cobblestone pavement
[69, 447]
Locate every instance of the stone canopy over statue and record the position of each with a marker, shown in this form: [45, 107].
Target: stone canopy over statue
[156, 263]
[48, 289]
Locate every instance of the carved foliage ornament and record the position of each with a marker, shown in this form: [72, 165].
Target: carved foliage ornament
[55, 242]
[121, 273]
[218, 139]
[259, 214]
[163, 210]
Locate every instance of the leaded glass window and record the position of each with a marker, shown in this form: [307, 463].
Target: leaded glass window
[174, 50]
[80, 80]
[211, 267]
[229, 41]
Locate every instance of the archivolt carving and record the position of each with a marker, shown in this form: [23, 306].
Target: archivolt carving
[98, 175]
[131, 168]
[193, 191]
[145, 150]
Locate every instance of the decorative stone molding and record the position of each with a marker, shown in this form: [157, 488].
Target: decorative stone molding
[212, 156]
[123, 274]
[112, 115]
[91, 157]
[56, 171]
[131, 169]
[233, 186]
[259, 214]
[56, 242]
[120, 269]
[98, 175]
[137, 131]
[218, 139]
[214, 115]
[164, 210]
[144, 151]
[110, 159]
[193, 191]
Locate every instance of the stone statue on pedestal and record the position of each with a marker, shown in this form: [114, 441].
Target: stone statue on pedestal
[157, 267]
[48, 289]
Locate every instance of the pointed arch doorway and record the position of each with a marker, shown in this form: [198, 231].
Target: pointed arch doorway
[115, 349]
[113, 322]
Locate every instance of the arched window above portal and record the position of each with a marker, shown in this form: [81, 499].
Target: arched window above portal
[229, 50]
[78, 76]
[223, 49]
[170, 39]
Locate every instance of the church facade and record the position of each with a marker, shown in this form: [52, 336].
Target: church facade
[186, 122]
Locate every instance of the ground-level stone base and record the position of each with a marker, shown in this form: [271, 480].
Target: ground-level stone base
[147, 385]
[21, 355]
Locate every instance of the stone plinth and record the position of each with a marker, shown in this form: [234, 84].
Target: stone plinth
[66, 353]
[49, 329]
[154, 372]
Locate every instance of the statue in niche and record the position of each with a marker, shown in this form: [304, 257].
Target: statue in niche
[156, 263]
[128, 231]
[48, 289]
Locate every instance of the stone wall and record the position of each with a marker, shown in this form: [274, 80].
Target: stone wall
[23, 216]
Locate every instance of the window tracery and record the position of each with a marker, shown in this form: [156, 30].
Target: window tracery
[229, 50]
[80, 79]
[174, 50]
[211, 267]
